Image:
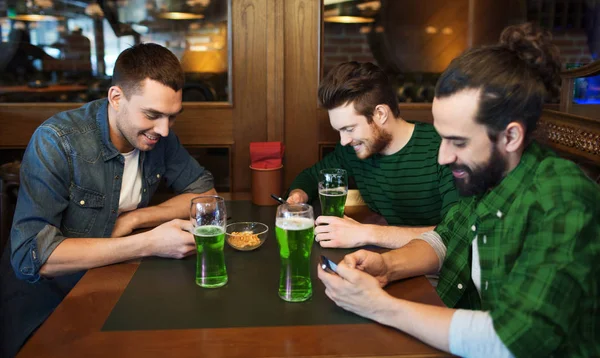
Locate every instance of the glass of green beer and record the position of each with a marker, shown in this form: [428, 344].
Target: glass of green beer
[294, 229]
[333, 190]
[209, 218]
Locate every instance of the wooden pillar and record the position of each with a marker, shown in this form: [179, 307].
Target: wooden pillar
[99, 40]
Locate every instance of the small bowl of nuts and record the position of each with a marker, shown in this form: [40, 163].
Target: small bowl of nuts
[246, 236]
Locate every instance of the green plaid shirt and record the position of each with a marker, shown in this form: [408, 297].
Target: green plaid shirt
[538, 234]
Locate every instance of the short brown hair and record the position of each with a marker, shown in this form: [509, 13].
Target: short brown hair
[365, 85]
[147, 60]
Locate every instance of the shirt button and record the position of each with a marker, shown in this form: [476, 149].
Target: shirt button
[112, 211]
[473, 228]
[158, 175]
[486, 285]
[460, 286]
[499, 214]
[144, 190]
[82, 202]
[116, 177]
[484, 239]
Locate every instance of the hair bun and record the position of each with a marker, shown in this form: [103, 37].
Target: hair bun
[534, 46]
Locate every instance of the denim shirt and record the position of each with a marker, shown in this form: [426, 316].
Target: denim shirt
[71, 177]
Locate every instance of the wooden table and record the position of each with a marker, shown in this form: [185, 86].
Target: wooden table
[74, 329]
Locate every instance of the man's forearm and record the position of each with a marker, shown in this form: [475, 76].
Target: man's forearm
[414, 259]
[462, 332]
[177, 207]
[430, 324]
[393, 237]
[73, 255]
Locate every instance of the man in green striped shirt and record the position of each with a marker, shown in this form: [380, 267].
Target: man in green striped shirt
[393, 162]
[519, 256]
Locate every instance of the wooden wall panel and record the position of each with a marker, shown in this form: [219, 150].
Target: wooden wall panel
[486, 29]
[19, 120]
[249, 19]
[302, 31]
[418, 112]
[275, 71]
[196, 125]
[326, 133]
[199, 125]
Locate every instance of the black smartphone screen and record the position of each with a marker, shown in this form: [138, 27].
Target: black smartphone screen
[328, 265]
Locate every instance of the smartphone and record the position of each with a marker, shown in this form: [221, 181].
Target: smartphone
[328, 265]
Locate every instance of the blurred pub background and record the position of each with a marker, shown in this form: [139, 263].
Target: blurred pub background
[252, 66]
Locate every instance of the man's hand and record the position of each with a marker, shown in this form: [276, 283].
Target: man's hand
[173, 239]
[341, 233]
[369, 262]
[125, 224]
[297, 196]
[354, 290]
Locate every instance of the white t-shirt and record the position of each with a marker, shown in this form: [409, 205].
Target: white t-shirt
[131, 186]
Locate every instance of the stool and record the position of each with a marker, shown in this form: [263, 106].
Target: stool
[9, 186]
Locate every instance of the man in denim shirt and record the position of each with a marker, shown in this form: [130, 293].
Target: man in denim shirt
[87, 177]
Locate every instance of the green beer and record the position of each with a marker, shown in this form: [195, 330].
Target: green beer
[210, 261]
[295, 237]
[333, 201]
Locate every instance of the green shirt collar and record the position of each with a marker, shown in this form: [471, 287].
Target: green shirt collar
[498, 201]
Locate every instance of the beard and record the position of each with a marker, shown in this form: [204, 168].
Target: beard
[376, 144]
[483, 177]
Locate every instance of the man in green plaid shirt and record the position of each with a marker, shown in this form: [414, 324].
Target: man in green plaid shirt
[518, 256]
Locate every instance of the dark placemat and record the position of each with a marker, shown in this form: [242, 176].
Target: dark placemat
[162, 293]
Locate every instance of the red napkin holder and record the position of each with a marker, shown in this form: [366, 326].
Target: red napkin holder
[266, 165]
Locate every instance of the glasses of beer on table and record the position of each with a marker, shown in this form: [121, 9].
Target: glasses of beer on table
[209, 218]
[333, 190]
[294, 229]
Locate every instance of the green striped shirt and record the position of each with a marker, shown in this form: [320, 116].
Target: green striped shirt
[408, 188]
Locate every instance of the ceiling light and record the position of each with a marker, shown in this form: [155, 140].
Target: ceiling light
[349, 13]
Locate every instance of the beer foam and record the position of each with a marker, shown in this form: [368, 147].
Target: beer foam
[294, 224]
[333, 191]
[214, 230]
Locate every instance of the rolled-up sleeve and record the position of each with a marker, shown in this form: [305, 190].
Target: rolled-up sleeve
[183, 173]
[435, 240]
[472, 334]
[43, 197]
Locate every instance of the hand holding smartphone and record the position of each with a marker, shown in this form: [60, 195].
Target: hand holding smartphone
[328, 265]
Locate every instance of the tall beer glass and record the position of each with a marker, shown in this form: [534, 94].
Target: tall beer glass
[295, 234]
[209, 218]
[333, 190]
